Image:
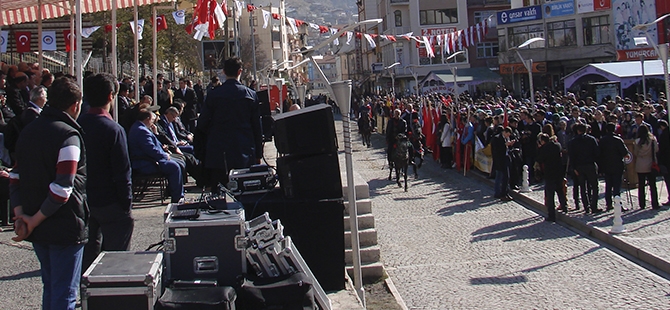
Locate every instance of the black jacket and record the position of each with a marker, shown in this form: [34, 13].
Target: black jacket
[499, 153]
[663, 154]
[612, 152]
[583, 150]
[549, 155]
[37, 153]
[191, 107]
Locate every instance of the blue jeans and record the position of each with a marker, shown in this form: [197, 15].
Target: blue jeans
[61, 271]
[501, 185]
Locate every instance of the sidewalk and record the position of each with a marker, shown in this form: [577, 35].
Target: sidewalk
[647, 233]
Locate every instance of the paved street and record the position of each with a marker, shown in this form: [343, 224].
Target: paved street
[448, 244]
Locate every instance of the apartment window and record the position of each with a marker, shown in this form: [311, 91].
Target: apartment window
[442, 16]
[254, 21]
[520, 34]
[487, 50]
[596, 30]
[562, 33]
[482, 15]
[398, 18]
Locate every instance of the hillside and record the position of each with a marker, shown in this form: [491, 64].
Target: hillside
[322, 12]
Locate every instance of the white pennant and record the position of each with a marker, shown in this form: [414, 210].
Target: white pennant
[370, 40]
[333, 31]
[179, 17]
[140, 25]
[479, 35]
[291, 22]
[3, 41]
[446, 44]
[201, 30]
[313, 26]
[472, 38]
[220, 16]
[349, 36]
[87, 32]
[429, 49]
[239, 5]
[266, 18]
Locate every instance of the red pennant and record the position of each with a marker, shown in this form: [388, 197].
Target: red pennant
[161, 23]
[323, 29]
[22, 41]
[224, 6]
[359, 35]
[391, 38]
[66, 36]
[250, 8]
[299, 23]
[108, 28]
[277, 16]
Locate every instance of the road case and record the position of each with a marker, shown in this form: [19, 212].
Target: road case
[210, 246]
[122, 280]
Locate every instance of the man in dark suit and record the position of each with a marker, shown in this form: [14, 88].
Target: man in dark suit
[499, 151]
[230, 119]
[598, 125]
[583, 151]
[549, 155]
[190, 113]
[122, 101]
[612, 151]
[147, 155]
[166, 123]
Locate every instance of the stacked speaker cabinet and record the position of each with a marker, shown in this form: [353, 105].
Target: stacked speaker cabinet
[266, 114]
[308, 167]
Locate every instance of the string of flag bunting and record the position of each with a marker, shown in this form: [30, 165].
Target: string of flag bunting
[210, 15]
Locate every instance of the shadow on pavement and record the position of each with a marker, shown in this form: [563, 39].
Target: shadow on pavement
[23, 275]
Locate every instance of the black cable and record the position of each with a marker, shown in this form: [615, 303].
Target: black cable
[154, 245]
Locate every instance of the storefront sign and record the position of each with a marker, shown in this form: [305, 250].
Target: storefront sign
[586, 6]
[519, 68]
[519, 15]
[562, 8]
[628, 55]
[436, 31]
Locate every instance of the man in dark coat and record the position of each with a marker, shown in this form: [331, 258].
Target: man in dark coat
[108, 183]
[231, 121]
[190, 113]
[549, 156]
[663, 154]
[583, 151]
[395, 126]
[499, 151]
[612, 152]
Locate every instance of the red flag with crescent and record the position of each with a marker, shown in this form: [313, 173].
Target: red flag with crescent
[22, 41]
[66, 35]
[161, 23]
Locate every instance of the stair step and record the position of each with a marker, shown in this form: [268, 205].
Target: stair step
[361, 186]
[371, 254]
[366, 237]
[363, 206]
[371, 272]
[365, 221]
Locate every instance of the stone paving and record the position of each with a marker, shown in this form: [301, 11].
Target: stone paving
[447, 244]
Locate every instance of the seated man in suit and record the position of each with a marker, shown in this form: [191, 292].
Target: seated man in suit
[147, 155]
[189, 164]
[166, 122]
[179, 127]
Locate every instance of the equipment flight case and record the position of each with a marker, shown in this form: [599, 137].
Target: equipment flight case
[206, 247]
[123, 280]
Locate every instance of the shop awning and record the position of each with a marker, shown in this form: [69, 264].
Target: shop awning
[25, 11]
[627, 72]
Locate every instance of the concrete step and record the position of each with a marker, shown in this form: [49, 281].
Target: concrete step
[364, 206]
[370, 254]
[361, 186]
[371, 272]
[366, 237]
[365, 221]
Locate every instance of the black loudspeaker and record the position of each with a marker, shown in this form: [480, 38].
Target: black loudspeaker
[266, 115]
[311, 176]
[316, 228]
[306, 131]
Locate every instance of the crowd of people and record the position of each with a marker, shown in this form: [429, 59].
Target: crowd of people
[558, 137]
[68, 166]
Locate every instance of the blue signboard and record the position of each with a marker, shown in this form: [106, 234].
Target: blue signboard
[555, 9]
[520, 15]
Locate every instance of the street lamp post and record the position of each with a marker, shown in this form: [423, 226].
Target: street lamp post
[454, 72]
[639, 42]
[662, 51]
[392, 74]
[528, 64]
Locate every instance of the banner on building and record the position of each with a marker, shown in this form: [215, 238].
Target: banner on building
[626, 15]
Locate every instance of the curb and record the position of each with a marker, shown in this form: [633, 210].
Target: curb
[595, 232]
[394, 291]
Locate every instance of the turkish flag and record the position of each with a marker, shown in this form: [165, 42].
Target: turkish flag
[22, 41]
[161, 23]
[66, 36]
[108, 27]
